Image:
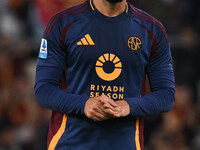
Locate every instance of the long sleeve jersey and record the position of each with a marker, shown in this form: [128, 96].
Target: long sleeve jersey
[85, 54]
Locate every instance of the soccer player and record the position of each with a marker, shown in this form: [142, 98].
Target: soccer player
[91, 72]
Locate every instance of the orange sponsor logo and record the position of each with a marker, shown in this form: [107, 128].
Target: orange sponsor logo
[111, 58]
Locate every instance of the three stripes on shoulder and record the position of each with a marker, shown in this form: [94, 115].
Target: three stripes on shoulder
[87, 40]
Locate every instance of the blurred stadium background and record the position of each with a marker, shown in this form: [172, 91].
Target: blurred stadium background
[24, 125]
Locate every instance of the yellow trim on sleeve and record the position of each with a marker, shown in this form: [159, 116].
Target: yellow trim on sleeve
[58, 135]
[137, 136]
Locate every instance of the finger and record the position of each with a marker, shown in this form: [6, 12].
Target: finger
[110, 101]
[112, 113]
[95, 118]
[108, 113]
[100, 116]
[107, 110]
[100, 109]
[106, 104]
[117, 115]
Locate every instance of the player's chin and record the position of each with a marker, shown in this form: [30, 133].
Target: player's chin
[114, 1]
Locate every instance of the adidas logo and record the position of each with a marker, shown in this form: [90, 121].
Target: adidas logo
[87, 40]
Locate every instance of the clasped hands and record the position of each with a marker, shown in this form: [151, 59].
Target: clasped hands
[103, 108]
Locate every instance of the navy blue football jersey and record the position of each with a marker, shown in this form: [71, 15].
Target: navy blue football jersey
[85, 54]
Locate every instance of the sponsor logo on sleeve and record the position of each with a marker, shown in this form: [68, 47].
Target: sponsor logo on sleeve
[43, 49]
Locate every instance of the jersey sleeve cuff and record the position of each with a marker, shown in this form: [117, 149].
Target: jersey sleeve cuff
[82, 104]
[132, 103]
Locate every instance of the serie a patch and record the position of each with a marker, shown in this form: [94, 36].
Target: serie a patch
[43, 49]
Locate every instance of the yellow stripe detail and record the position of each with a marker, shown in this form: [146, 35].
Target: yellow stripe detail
[111, 57]
[79, 43]
[99, 63]
[119, 64]
[102, 59]
[91, 5]
[58, 135]
[83, 40]
[89, 39]
[137, 136]
[106, 56]
[116, 60]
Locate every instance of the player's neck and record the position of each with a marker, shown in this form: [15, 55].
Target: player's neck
[109, 9]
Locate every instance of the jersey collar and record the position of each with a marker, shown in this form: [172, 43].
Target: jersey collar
[111, 19]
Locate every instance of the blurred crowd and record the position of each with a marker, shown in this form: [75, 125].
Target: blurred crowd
[24, 124]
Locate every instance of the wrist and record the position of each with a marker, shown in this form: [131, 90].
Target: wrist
[83, 103]
[131, 108]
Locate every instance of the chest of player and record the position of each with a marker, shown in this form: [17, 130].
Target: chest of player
[109, 45]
